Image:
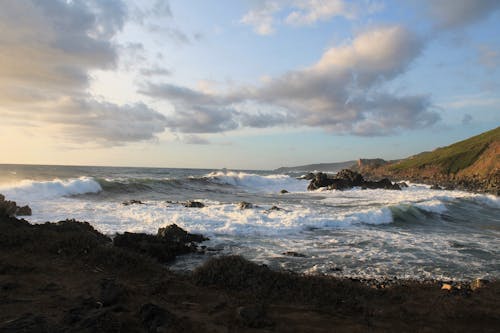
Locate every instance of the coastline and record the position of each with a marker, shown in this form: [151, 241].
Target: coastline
[69, 277]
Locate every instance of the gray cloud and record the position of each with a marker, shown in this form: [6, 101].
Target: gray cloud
[155, 71]
[451, 14]
[47, 49]
[341, 93]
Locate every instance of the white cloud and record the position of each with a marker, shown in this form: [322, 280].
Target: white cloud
[266, 15]
[342, 93]
[48, 49]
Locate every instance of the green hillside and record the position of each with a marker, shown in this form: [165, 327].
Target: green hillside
[453, 158]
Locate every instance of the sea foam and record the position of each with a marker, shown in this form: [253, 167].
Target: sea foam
[270, 183]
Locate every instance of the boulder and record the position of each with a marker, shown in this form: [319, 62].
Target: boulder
[194, 204]
[284, 192]
[132, 202]
[10, 208]
[403, 185]
[168, 243]
[245, 205]
[174, 233]
[436, 187]
[23, 211]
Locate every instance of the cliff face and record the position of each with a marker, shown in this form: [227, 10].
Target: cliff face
[472, 164]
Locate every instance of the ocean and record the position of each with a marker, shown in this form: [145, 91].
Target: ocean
[416, 233]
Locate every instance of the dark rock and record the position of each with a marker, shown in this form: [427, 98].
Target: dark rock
[284, 192]
[294, 254]
[253, 316]
[275, 208]
[194, 204]
[26, 323]
[100, 320]
[176, 234]
[352, 177]
[245, 205]
[165, 246]
[132, 202]
[150, 245]
[309, 176]
[347, 179]
[112, 292]
[436, 187]
[23, 211]
[156, 319]
[403, 185]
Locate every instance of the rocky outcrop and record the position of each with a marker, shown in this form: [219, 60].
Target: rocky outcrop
[168, 243]
[194, 204]
[10, 208]
[347, 179]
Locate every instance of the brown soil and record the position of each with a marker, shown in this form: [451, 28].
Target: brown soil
[68, 278]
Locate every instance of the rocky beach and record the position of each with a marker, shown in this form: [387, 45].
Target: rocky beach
[68, 277]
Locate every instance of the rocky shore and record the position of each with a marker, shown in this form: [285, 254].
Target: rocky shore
[68, 277]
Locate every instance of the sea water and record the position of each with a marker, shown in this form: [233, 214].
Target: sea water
[415, 233]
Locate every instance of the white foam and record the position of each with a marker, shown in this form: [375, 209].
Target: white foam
[270, 183]
[28, 190]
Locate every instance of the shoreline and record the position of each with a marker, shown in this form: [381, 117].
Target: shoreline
[67, 276]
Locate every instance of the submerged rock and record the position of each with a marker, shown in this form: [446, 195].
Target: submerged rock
[132, 202]
[245, 205]
[194, 204]
[294, 254]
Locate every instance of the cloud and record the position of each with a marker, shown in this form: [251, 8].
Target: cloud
[342, 92]
[262, 18]
[267, 14]
[489, 57]
[452, 14]
[155, 71]
[194, 140]
[48, 49]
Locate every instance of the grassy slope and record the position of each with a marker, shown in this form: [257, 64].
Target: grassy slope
[453, 158]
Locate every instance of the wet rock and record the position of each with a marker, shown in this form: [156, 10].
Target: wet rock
[403, 185]
[176, 234]
[284, 191]
[170, 242]
[478, 284]
[294, 254]
[245, 205]
[436, 187]
[23, 211]
[156, 319]
[194, 204]
[150, 245]
[253, 316]
[308, 176]
[132, 202]
[347, 179]
[112, 292]
[275, 208]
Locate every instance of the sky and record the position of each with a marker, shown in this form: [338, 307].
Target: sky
[243, 84]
